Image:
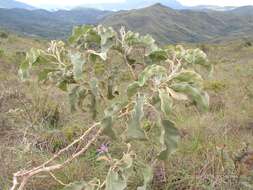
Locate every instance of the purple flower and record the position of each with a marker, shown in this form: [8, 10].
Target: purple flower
[103, 149]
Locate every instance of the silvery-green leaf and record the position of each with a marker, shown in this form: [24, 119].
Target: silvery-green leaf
[78, 62]
[78, 31]
[197, 57]
[166, 101]
[134, 130]
[78, 185]
[198, 96]
[134, 39]
[149, 42]
[176, 95]
[94, 86]
[24, 70]
[188, 76]
[63, 85]
[150, 71]
[132, 89]
[114, 108]
[73, 97]
[169, 139]
[32, 56]
[147, 173]
[94, 95]
[115, 181]
[107, 124]
[82, 185]
[107, 36]
[110, 86]
[43, 75]
[158, 55]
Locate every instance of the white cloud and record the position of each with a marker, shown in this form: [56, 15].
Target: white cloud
[61, 3]
[67, 2]
[217, 2]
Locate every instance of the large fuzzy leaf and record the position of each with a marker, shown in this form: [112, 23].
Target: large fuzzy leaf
[107, 124]
[158, 72]
[132, 89]
[82, 185]
[198, 96]
[169, 139]
[188, 76]
[134, 130]
[77, 61]
[32, 56]
[166, 101]
[73, 97]
[76, 97]
[63, 85]
[94, 97]
[109, 119]
[43, 75]
[150, 71]
[147, 173]
[115, 181]
[24, 70]
[134, 39]
[78, 185]
[78, 31]
[117, 178]
[196, 56]
[107, 36]
[158, 55]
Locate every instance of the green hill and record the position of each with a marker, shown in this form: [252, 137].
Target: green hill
[165, 24]
[169, 25]
[48, 24]
[10, 4]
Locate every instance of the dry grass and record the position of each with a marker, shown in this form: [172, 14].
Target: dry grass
[34, 124]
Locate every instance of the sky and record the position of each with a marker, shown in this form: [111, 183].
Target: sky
[184, 2]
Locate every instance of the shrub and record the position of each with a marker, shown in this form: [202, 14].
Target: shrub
[4, 35]
[159, 79]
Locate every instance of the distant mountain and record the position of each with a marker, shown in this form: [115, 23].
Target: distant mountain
[165, 24]
[10, 4]
[211, 7]
[48, 24]
[135, 4]
[168, 25]
[245, 10]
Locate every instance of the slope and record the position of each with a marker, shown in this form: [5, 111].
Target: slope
[169, 25]
[10, 4]
[47, 24]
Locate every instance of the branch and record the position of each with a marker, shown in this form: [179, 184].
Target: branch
[129, 67]
[26, 175]
[56, 179]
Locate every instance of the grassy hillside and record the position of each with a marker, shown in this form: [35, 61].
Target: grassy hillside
[47, 24]
[215, 151]
[165, 24]
[168, 25]
[10, 4]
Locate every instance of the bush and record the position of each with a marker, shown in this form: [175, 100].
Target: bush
[4, 35]
[1, 52]
[90, 69]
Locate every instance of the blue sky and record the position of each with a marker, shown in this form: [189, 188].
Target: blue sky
[184, 2]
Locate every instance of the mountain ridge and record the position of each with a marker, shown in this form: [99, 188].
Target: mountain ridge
[165, 24]
[10, 4]
[47, 24]
[171, 26]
